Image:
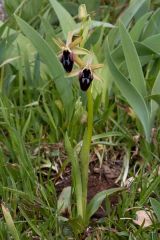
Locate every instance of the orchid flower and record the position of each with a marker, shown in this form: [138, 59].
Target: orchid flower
[86, 73]
[69, 51]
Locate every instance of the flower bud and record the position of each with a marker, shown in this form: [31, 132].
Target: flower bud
[82, 12]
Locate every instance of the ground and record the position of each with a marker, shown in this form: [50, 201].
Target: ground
[104, 169]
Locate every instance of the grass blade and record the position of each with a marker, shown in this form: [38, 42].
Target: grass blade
[31, 224]
[10, 223]
[147, 192]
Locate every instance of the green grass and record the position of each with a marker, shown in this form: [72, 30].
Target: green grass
[40, 104]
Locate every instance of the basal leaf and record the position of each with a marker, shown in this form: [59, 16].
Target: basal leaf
[76, 175]
[97, 200]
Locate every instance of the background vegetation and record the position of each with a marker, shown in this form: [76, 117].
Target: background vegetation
[39, 104]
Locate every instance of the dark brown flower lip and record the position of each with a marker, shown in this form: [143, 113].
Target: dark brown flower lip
[85, 79]
[67, 60]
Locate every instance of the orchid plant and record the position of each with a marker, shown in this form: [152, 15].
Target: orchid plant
[68, 55]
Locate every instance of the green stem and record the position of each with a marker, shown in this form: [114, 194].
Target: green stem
[90, 117]
[2, 79]
[85, 151]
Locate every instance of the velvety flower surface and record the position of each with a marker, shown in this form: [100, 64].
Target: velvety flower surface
[67, 60]
[85, 78]
[86, 74]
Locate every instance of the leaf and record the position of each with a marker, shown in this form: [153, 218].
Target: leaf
[133, 97]
[156, 207]
[75, 174]
[131, 11]
[153, 26]
[153, 43]
[31, 224]
[101, 24]
[64, 200]
[125, 169]
[96, 201]
[143, 9]
[106, 135]
[137, 29]
[155, 91]
[147, 192]
[10, 223]
[51, 60]
[155, 97]
[77, 224]
[10, 60]
[142, 50]
[125, 18]
[50, 118]
[66, 21]
[132, 61]
[26, 125]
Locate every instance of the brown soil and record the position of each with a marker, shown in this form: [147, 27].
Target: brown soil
[101, 177]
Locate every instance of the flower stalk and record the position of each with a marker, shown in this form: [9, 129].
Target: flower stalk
[84, 155]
